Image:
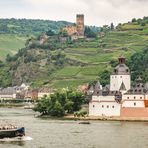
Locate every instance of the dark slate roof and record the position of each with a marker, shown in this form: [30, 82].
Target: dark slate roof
[8, 91]
[137, 88]
[122, 87]
[138, 80]
[90, 91]
[97, 86]
[121, 69]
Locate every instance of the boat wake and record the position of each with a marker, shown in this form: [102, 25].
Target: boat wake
[27, 138]
[17, 139]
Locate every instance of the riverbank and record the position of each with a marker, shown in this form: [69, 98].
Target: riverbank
[11, 105]
[71, 117]
[134, 119]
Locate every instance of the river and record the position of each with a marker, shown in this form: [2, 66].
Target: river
[47, 133]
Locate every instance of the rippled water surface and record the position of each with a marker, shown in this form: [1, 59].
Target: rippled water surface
[46, 133]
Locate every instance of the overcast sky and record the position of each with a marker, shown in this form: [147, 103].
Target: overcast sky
[97, 12]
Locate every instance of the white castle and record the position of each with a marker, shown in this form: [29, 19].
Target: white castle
[119, 98]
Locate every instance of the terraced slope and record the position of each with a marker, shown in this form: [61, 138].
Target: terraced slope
[85, 59]
[93, 59]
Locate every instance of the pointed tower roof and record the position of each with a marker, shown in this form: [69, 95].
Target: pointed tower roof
[97, 86]
[122, 87]
[138, 79]
[121, 68]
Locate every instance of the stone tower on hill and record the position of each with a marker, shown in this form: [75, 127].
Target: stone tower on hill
[76, 31]
[80, 24]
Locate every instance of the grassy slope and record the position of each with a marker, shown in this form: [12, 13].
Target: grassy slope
[92, 58]
[96, 59]
[9, 44]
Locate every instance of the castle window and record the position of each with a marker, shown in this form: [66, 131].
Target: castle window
[113, 106]
[126, 70]
[120, 76]
[140, 97]
[127, 97]
[134, 103]
[107, 106]
[134, 97]
[102, 106]
[93, 105]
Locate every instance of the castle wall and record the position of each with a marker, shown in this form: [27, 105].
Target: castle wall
[134, 100]
[133, 103]
[104, 108]
[70, 30]
[134, 112]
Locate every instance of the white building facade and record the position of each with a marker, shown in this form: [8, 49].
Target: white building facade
[119, 98]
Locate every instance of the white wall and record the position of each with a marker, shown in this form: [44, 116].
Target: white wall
[116, 81]
[104, 109]
[133, 104]
[133, 101]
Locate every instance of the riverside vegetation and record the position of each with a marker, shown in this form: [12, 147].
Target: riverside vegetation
[62, 102]
[62, 63]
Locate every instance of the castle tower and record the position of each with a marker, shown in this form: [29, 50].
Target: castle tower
[80, 25]
[120, 77]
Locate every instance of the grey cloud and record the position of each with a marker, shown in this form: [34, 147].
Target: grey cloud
[97, 12]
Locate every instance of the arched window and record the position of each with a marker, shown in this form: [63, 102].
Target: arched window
[134, 103]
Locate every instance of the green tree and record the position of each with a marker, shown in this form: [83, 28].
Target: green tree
[89, 33]
[61, 102]
[63, 33]
[57, 109]
[104, 77]
[133, 20]
[50, 33]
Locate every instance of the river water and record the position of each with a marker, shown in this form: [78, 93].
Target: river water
[47, 133]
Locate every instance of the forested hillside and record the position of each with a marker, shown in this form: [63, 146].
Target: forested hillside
[29, 26]
[58, 61]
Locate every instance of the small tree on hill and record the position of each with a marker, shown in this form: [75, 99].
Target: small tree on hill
[112, 26]
[50, 33]
[89, 33]
[134, 20]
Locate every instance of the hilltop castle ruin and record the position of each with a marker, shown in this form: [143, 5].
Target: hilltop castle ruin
[76, 31]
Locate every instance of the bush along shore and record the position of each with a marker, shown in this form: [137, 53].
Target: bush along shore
[61, 103]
